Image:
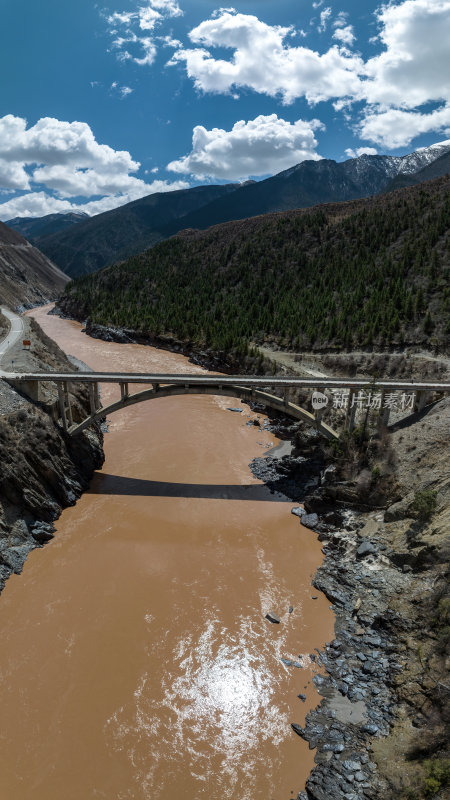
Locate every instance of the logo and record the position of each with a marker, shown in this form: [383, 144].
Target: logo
[319, 400]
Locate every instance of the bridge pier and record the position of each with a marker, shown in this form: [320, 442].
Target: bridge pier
[350, 412]
[65, 408]
[420, 401]
[124, 393]
[383, 414]
[94, 399]
[318, 417]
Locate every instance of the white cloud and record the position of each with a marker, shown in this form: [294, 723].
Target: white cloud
[414, 67]
[128, 28]
[344, 35]
[408, 75]
[324, 17]
[396, 128]
[38, 204]
[13, 175]
[361, 151]
[262, 146]
[148, 18]
[65, 158]
[124, 91]
[52, 141]
[263, 62]
[169, 7]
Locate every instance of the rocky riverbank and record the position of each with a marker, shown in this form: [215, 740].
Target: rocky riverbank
[382, 727]
[42, 469]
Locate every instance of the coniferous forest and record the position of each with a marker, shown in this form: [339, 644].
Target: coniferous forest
[366, 273]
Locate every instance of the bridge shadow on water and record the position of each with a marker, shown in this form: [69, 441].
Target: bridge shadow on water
[105, 484]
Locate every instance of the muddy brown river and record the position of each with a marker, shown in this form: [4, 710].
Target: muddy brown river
[136, 662]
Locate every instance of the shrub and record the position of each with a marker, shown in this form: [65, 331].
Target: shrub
[424, 503]
[437, 775]
[376, 473]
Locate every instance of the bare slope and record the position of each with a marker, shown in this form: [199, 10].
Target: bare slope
[27, 276]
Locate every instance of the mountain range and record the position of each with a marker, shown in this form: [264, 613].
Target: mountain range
[98, 241]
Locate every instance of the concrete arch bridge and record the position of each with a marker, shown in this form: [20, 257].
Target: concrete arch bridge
[247, 388]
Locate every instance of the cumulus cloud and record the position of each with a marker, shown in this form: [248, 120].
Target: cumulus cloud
[344, 34]
[13, 175]
[409, 73]
[66, 159]
[261, 146]
[360, 151]
[414, 67]
[54, 142]
[262, 61]
[395, 128]
[133, 31]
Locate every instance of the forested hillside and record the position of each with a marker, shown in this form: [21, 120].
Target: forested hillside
[369, 272]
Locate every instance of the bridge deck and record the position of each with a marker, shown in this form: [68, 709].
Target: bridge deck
[224, 380]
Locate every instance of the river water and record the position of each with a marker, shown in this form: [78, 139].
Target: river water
[136, 661]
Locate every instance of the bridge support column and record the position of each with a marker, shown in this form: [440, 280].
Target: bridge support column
[351, 412]
[68, 406]
[62, 409]
[124, 393]
[65, 408]
[420, 402]
[92, 398]
[318, 417]
[383, 415]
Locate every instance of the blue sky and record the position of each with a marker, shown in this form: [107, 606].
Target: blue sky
[103, 103]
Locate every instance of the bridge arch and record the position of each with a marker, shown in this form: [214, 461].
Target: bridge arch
[243, 393]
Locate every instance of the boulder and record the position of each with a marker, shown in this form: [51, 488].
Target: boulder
[366, 548]
[398, 510]
[310, 520]
[298, 511]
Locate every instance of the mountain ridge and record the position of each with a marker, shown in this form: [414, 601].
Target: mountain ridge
[35, 228]
[114, 235]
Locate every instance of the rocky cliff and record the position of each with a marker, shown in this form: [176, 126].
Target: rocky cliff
[42, 469]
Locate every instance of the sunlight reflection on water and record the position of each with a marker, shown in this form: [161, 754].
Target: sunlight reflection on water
[216, 704]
